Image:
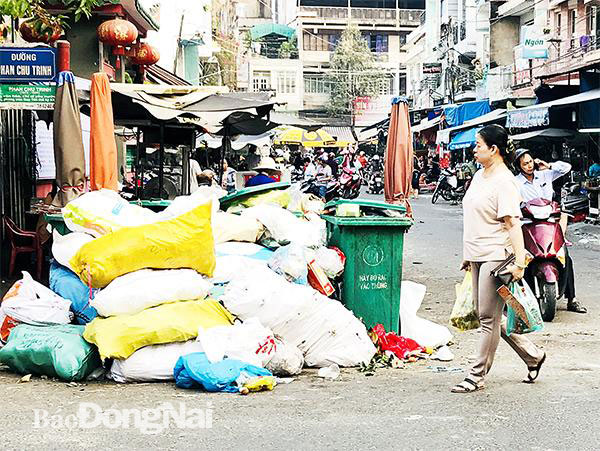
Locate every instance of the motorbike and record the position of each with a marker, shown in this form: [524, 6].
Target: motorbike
[309, 186]
[450, 187]
[375, 178]
[351, 179]
[546, 274]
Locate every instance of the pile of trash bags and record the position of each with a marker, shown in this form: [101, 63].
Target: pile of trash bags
[211, 299]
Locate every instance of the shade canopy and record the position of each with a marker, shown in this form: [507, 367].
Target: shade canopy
[463, 139]
[262, 30]
[545, 133]
[298, 136]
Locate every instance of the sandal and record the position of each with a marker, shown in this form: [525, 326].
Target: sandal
[534, 369]
[467, 386]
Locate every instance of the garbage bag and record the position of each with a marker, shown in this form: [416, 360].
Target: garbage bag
[278, 197]
[184, 204]
[424, 332]
[183, 242]
[287, 360]
[230, 227]
[464, 314]
[120, 336]
[66, 284]
[139, 290]
[322, 328]
[151, 363]
[55, 351]
[402, 347]
[196, 371]
[290, 262]
[249, 341]
[330, 259]
[523, 313]
[101, 212]
[249, 250]
[28, 301]
[230, 266]
[64, 247]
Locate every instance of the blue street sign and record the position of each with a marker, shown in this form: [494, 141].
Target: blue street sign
[24, 65]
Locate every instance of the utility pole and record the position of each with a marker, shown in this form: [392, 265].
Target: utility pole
[349, 12]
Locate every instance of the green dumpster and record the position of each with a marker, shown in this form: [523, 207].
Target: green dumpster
[373, 246]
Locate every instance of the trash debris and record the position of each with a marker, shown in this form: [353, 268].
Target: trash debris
[318, 279]
[196, 371]
[67, 285]
[25, 378]
[331, 372]
[443, 354]
[402, 347]
[424, 332]
[445, 369]
[287, 360]
[290, 262]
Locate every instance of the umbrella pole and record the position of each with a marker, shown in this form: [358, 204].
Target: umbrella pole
[137, 166]
[224, 148]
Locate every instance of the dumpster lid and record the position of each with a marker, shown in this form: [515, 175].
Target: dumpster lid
[366, 203]
[248, 192]
[380, 221]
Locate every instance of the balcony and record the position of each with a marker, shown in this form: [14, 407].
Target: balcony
[380, 16]
[574, 54]
[499, 82]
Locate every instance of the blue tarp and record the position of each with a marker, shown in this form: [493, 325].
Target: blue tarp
[457, 115]
[463, 139]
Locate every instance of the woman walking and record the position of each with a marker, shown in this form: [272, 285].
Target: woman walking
[492, 231]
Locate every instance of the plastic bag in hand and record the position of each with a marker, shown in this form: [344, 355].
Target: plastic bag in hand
[523, 313]
[464, 314]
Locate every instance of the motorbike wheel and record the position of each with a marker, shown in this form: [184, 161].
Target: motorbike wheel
[436, 195]
[447, 195]
[547, 300]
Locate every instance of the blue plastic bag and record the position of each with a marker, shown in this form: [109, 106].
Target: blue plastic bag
[196, 371]
[290, 262]
[67, 284]
[523, 312]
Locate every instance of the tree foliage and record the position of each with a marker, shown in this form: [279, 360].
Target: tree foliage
[353, 72]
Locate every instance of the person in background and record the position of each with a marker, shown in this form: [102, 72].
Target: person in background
[362, 159]
[416, 176]
[594, 170]
[266, 169]
[333, 164]
[228, 183]
[492, 232]
[324, 176]
[195, 172]
[535, 180]
[310, 170]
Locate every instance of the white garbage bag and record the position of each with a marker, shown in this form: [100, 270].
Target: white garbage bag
[152, 363]
[229, 227]
[139, 290]
[424, 332]
[329, 260]
[30, 302]
[287, 360]
[230, 266]
[104, 211]
[183, 204]
[64, 247]
[322, 328]
[249, 342]
[290, 261]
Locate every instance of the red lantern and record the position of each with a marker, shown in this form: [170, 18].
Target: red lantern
[118, 33]
[144, 54]
[31, 32]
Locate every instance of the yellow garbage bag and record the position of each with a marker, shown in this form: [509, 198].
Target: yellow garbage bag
[183, 242]
[120, 336]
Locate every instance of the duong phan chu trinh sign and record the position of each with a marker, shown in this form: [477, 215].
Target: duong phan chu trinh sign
[26, 65]
[27, 97]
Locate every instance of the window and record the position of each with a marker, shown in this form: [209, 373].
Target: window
[261, 80]
[286, 83]
[316, 84]
[572, 26]
[386, 86]
[323, 41]
[558, 22]
[377, 42]
[590, 14]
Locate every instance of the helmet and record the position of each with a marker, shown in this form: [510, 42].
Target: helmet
[520, 152]
[376, 157]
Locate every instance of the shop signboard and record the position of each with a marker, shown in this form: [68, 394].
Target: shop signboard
[27, 97]
[534, 44]
[536, 117]
[432, 68]
[26, 65]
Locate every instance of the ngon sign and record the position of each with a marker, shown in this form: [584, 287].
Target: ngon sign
[24, 65]
[535, 45]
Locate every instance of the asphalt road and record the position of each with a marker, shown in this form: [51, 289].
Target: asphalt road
[408, 408]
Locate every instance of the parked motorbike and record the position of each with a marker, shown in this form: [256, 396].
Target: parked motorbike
[544, 240]
[450, 187]
[375, 177]
[309, 186]
[351, 179]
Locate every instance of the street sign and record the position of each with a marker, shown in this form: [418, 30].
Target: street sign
[432, 68]
[27, 65]
[27, 97]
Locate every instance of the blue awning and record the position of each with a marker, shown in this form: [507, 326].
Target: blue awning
[458, 114]
[463, 139]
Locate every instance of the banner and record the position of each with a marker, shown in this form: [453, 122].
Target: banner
[528, 118]
[27, 97]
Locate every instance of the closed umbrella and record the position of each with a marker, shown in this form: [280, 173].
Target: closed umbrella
[68, 144]
[103, 148]
[399, 155]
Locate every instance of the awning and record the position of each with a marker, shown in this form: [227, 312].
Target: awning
[426, 124]
[546, 133]
[463, 139]
[459, 114]
[443, 136]
[367, 134]
[343, 135]
[538, 115]
[162, 76]
[241, 141]
[262, 30]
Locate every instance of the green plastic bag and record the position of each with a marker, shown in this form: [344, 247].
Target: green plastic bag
[523, 313]
[55, 351]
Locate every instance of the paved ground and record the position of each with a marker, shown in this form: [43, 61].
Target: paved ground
[408, 408]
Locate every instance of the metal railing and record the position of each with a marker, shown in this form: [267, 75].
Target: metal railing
[405, 17]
